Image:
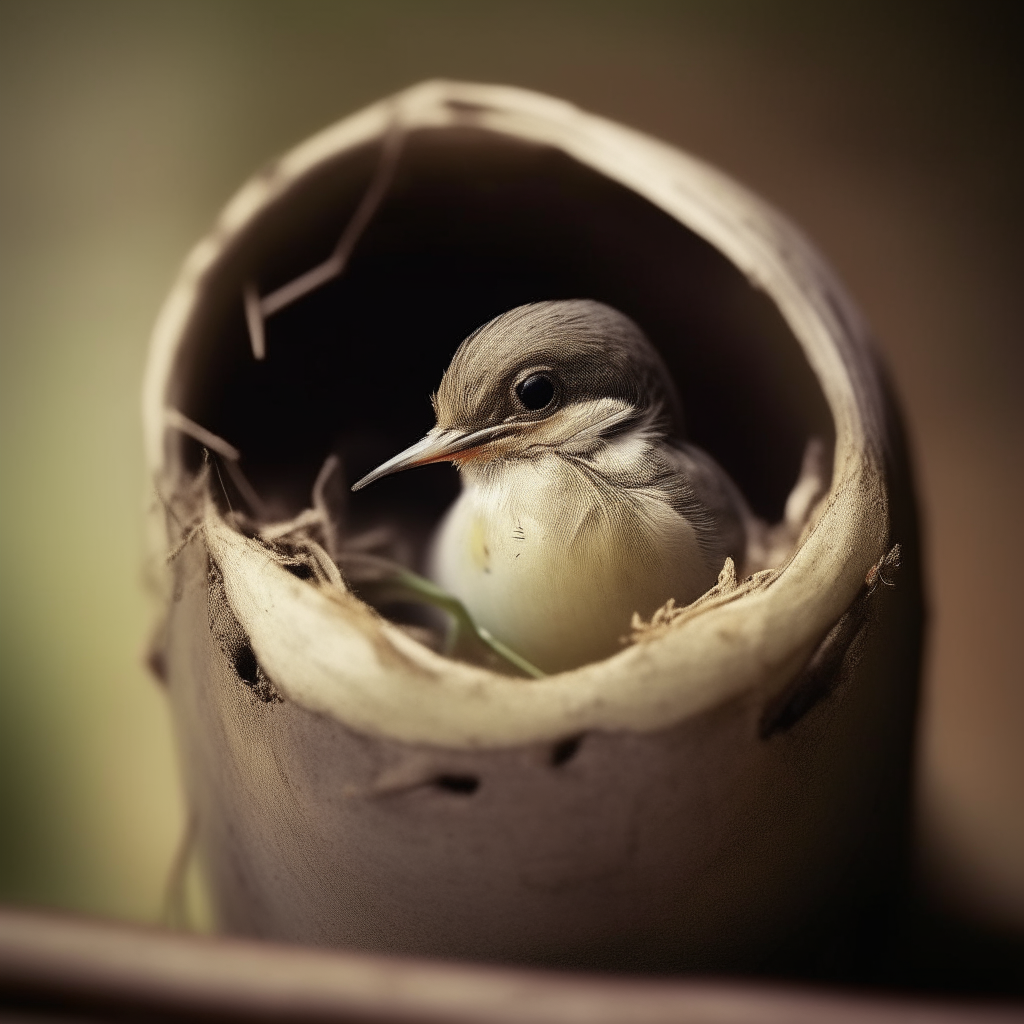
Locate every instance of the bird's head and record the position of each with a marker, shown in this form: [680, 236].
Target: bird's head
[550, 375]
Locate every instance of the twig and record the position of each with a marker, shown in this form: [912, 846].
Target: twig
[258, 309]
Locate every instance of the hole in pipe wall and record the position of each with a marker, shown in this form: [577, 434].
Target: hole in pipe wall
[234, 643]
[463, 785]
[301, 570]
[565, 750]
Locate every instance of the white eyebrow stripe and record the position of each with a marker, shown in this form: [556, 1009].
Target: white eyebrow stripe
[598, 415]
[579, 429]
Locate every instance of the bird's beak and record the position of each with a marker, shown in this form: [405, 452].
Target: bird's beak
[438, 446]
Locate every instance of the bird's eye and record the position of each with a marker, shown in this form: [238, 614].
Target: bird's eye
[536, 391]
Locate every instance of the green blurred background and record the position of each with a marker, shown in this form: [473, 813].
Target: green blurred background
[891, 133]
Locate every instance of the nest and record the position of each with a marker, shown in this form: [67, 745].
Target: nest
[366, 767]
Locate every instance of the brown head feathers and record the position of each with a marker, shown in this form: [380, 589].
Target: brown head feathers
[535, 359]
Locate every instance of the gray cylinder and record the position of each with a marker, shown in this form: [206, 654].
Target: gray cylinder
[730, 789]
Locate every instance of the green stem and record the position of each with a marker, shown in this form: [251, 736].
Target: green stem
[394, 582]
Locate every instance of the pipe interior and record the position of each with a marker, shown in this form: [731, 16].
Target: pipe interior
[473, 224]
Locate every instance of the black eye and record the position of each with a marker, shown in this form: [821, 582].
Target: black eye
[536, 391]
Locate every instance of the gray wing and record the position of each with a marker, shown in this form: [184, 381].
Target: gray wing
[706, 495]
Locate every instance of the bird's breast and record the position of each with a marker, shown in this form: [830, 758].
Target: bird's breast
[553, 560]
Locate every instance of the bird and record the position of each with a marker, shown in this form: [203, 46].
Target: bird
[581, 503]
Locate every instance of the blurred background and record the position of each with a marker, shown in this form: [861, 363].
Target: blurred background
[891, 133]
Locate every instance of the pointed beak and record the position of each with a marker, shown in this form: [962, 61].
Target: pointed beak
[438, 446]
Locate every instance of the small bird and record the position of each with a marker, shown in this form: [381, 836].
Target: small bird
[580, 505]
